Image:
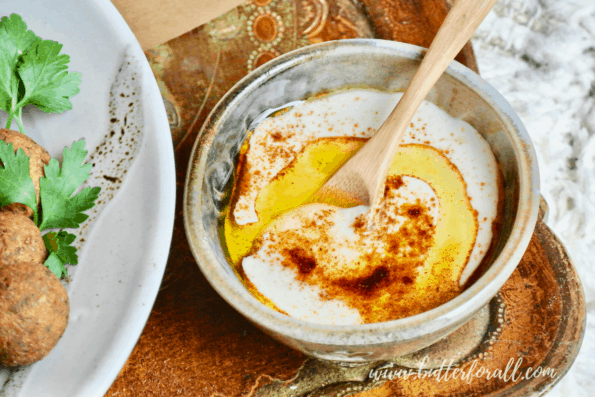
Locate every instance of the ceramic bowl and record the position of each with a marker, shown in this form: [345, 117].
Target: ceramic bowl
[384, 65]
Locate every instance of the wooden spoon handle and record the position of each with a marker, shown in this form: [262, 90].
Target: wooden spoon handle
[459, 25]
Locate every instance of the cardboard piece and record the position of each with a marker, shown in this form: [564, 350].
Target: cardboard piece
[158, 21]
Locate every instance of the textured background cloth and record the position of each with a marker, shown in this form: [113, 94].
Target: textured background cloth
[540, 54]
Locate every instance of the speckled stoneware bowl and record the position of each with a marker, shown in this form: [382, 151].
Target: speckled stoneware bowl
[384, 65]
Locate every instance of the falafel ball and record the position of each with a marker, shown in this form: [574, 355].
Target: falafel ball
[38, 157]
[34, 311]
[20, 240]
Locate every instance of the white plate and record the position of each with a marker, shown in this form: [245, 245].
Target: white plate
[122, 260]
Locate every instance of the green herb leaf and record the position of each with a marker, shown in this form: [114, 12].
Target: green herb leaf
[32, 72]
[15, 40]
[47, 83]
[55, 265]
[16, 185]
[60, 209]
[61, 251]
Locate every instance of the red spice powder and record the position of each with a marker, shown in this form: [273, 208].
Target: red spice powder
[364, 285]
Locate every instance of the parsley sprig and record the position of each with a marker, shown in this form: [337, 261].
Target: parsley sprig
[60, 209]
[61, 251]
[32, 72]
[60, 206]
[16, 185]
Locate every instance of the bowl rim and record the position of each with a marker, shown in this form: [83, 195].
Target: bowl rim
[410, 328]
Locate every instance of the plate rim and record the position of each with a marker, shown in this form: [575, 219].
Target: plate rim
[164, 141]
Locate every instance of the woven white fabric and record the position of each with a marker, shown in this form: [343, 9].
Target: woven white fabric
[540, 55]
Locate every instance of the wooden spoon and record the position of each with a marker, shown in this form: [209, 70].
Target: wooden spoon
[362, 178]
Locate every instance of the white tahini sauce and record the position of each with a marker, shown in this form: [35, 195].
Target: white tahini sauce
[275, 143]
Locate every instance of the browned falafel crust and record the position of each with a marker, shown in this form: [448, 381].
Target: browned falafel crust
[34, 311]
[20, 240]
